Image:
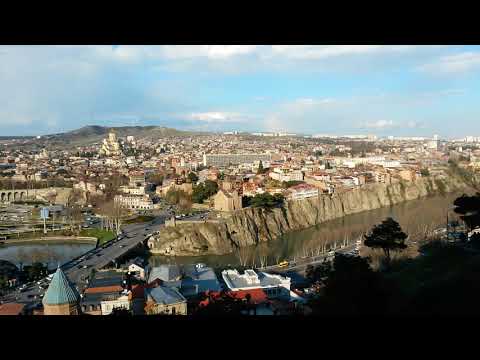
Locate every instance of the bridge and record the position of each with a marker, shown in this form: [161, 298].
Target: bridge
[11, 195]
[7, 196]
[111, 252]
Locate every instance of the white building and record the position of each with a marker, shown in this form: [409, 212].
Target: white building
[137, 202]
[302, 191]
[286, 174]
[273, 285]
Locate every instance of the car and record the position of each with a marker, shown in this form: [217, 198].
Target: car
[99, 254]
[283, 263]
[121, 246]
[85, 266]
[331, 253]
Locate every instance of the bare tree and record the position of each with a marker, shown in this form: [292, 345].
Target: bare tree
[243, 255]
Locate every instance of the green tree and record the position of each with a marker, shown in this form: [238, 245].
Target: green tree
[425, 172]
[260, 168]
[266, 200]
[203, 191]
[387, 236]
[192, 177]
[288, 184]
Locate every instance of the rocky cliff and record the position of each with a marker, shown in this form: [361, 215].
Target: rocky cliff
[254, 225]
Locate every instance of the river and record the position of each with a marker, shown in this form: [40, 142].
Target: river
[51, 253]
[414, 216]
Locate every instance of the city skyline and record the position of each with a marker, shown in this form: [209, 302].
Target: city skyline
[380, 90]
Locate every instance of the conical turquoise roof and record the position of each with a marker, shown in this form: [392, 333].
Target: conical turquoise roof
[60, 291]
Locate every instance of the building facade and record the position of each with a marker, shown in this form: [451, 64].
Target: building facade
[227, 201]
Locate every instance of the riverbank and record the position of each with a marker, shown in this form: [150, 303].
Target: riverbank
[56, 239]
[251, 226]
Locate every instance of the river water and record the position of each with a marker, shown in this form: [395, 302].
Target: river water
[51, 253]
[414, 217]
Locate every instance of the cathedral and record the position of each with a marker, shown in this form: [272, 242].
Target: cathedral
[111, 146]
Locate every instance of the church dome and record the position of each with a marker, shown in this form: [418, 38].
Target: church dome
[60, 291]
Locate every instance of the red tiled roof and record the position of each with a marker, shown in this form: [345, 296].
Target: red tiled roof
[104, 289]
[11, 308]
[258, 296]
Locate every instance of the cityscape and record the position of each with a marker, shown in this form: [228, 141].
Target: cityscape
[235, 217]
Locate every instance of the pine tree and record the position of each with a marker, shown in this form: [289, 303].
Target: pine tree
[260, 168]
[387, 236]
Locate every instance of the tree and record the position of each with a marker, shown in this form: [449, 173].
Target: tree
[267, 201]
[352, 288]
[387, 236]
[425, 172]
[155, 179]
[203, 191]
[192, 177]
[260, 168]
[469, 209]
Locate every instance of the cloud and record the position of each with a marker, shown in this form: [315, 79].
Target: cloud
[316, 52]
[452, 64]
[311, 101]
[379, 124]
[216, 117]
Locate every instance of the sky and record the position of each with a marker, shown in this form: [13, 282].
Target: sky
[400, 90]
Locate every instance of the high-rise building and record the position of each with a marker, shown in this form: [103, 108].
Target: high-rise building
[223, 160]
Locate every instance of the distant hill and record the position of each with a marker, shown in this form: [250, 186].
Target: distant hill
[94, 133]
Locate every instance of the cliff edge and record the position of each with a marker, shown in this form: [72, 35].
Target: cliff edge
[251, 226]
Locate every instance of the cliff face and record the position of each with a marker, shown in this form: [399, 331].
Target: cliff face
[253, 225]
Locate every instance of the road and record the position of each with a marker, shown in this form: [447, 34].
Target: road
[77, 270]
[301, 265]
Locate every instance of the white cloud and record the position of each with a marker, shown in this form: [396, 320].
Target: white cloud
[216, 117]
[311, 101]
[379, 124]
[452, 64]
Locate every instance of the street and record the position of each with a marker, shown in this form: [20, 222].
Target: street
[77, 270]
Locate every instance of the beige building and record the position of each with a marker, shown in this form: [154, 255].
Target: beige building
[110, 145]
[408, 175]
[164, 300]
[227, 201]
[185, 187]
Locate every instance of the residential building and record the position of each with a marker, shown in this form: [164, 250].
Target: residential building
[273, 285]
[106, 291]
[164, 300]
[137, 202]
[286, 174]
[302, 191]
[224, 160]
[138, 268]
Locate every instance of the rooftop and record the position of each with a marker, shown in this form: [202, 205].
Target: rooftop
[164, 295]
[165, 272]
[250, 279]
[11, 309]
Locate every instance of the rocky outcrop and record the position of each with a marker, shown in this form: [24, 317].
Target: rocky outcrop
[253, 225]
